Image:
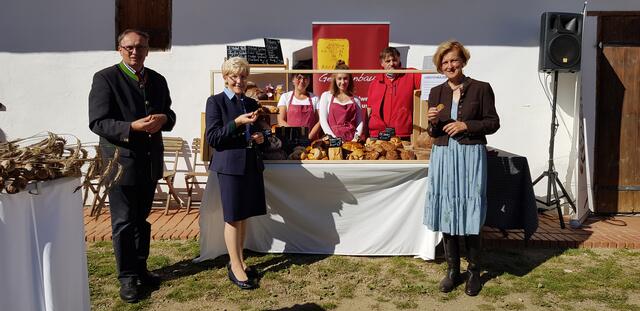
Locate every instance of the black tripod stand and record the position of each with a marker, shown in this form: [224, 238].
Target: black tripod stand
[554, 181]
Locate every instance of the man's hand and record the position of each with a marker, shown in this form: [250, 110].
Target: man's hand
[149, 124]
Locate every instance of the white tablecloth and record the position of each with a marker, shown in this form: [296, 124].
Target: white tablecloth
[344, 209]
[43, 264]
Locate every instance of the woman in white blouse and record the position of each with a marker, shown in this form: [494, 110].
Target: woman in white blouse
[299, 107]
[340, 111]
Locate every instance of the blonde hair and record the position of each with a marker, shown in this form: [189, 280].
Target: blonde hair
[446, 47]
[235, 65]
[333, 88]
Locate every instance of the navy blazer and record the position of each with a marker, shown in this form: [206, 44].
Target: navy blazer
[115, 101]
[229, 142]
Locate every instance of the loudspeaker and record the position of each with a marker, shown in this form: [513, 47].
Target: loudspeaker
[560, 42]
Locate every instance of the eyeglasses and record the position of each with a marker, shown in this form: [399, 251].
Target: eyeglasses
[301, 77]
[131, 48]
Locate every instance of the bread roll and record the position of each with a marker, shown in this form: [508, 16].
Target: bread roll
[357, 154]
[407, 154]
[372, 155]
[392, 155]
[351, 145]
[388, 146]
[378, 148]
[335, 153]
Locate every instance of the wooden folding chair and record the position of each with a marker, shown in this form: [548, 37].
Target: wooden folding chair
[173, 146]
[190, 178]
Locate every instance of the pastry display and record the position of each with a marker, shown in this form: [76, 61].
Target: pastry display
[394, 149]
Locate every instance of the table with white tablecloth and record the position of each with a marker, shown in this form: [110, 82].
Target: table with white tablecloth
[43, 264]
[346, 208]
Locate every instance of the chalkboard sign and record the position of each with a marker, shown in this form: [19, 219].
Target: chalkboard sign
[274, 51]
[256, 55]
[236, 50]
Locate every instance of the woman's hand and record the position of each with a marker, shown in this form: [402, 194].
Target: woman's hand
[432, 115]
[258, 138]
[247, 118]
[454, 128]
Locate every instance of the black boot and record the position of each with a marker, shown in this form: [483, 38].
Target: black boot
[129, 291]
[452, 255]
[474, 283]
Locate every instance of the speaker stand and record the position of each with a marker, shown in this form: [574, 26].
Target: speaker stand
[553, 181]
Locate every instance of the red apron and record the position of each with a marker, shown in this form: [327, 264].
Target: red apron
[301, 115]
[342, 119]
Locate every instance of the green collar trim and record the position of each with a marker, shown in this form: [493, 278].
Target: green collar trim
[128, 72]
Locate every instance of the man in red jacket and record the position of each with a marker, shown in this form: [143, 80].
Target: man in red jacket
[390, 97]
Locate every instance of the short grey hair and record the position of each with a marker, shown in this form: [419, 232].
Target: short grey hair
[235, 65]
[130, 30]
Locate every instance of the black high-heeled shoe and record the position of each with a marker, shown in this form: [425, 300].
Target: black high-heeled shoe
[252, 273]
[242, 284]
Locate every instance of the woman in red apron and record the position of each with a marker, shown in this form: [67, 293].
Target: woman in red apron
[340, 111]
[299, 107]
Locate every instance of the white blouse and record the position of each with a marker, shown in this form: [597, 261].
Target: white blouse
[323, 113]
[286, 97]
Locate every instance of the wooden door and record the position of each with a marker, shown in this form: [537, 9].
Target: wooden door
[150, 16]
[617, 145]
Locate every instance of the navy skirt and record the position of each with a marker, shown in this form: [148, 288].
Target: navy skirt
[243, 195]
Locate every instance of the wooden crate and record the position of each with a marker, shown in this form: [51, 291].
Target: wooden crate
[420, 121]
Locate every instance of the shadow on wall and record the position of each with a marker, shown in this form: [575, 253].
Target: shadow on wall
[89, 25]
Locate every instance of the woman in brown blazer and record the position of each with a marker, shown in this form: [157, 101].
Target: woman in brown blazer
[461, 112]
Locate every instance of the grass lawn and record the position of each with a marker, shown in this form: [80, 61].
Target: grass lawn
[518, 279]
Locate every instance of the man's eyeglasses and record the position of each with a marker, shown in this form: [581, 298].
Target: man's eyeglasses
[131, 48]
[301, 77]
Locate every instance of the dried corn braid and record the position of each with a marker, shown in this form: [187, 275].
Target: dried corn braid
[23, 161]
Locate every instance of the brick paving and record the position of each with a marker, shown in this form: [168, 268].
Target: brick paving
[596, 232]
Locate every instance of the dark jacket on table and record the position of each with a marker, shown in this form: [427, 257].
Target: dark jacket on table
[476, 108]
[229, 142]
[115, 101]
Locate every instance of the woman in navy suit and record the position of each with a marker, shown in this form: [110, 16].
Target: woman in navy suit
[230, 118]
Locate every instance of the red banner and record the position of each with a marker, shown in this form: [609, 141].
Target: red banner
[358, 44]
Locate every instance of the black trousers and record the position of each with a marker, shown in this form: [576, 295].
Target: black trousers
[130, 206]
